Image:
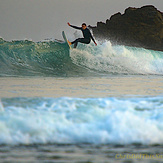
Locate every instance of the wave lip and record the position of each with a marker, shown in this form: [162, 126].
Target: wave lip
[76, 120]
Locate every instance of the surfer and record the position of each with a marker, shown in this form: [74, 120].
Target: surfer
[86, 34]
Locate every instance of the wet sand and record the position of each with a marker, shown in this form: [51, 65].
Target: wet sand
[81, 87]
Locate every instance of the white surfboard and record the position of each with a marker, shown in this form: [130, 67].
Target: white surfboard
[64, 37]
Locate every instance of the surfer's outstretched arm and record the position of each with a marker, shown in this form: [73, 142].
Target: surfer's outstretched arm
[74, 26]
[93, 39]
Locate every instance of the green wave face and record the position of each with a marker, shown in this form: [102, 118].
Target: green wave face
[30, 58]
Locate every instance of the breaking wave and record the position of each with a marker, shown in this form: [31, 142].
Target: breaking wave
[81, 120]
[53, 58]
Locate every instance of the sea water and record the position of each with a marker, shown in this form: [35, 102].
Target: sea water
[91, 104]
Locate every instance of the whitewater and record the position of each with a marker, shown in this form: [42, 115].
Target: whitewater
[99, 120]
[81, 105]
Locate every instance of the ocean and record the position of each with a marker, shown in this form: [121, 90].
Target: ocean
[91, 104]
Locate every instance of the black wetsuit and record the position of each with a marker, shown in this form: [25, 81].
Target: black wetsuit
[86, 34]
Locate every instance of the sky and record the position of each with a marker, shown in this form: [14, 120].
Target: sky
[41, 19]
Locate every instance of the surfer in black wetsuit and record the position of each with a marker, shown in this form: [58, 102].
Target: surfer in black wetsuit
[86, 34]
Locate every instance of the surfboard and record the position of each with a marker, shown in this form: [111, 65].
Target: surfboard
[64, 37]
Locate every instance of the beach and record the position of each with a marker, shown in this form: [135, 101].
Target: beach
[57, 119]
[112, 86]
[101, 102]
[91, 104]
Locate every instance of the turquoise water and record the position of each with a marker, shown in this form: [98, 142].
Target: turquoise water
[87, 122]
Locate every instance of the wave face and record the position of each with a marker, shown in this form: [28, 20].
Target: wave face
[27, 58]
[77, 120]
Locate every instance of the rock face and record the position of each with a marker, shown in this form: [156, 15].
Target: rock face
[140, 27]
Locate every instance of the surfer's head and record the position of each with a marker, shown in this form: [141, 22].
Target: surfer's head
[84, 26]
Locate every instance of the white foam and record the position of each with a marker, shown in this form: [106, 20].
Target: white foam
[72, 120]
[118, 59]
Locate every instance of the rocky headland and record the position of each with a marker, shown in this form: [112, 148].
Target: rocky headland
[139, 27]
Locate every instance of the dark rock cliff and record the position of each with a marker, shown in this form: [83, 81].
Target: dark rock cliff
[140, 27]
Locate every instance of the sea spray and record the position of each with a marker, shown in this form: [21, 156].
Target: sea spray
[118, 59]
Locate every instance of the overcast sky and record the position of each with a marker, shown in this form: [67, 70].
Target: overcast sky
[41, 19]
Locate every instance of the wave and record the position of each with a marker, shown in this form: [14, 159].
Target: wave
[53, 58]
[81, 120]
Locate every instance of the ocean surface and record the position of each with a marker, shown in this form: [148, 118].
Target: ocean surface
[91, 104]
